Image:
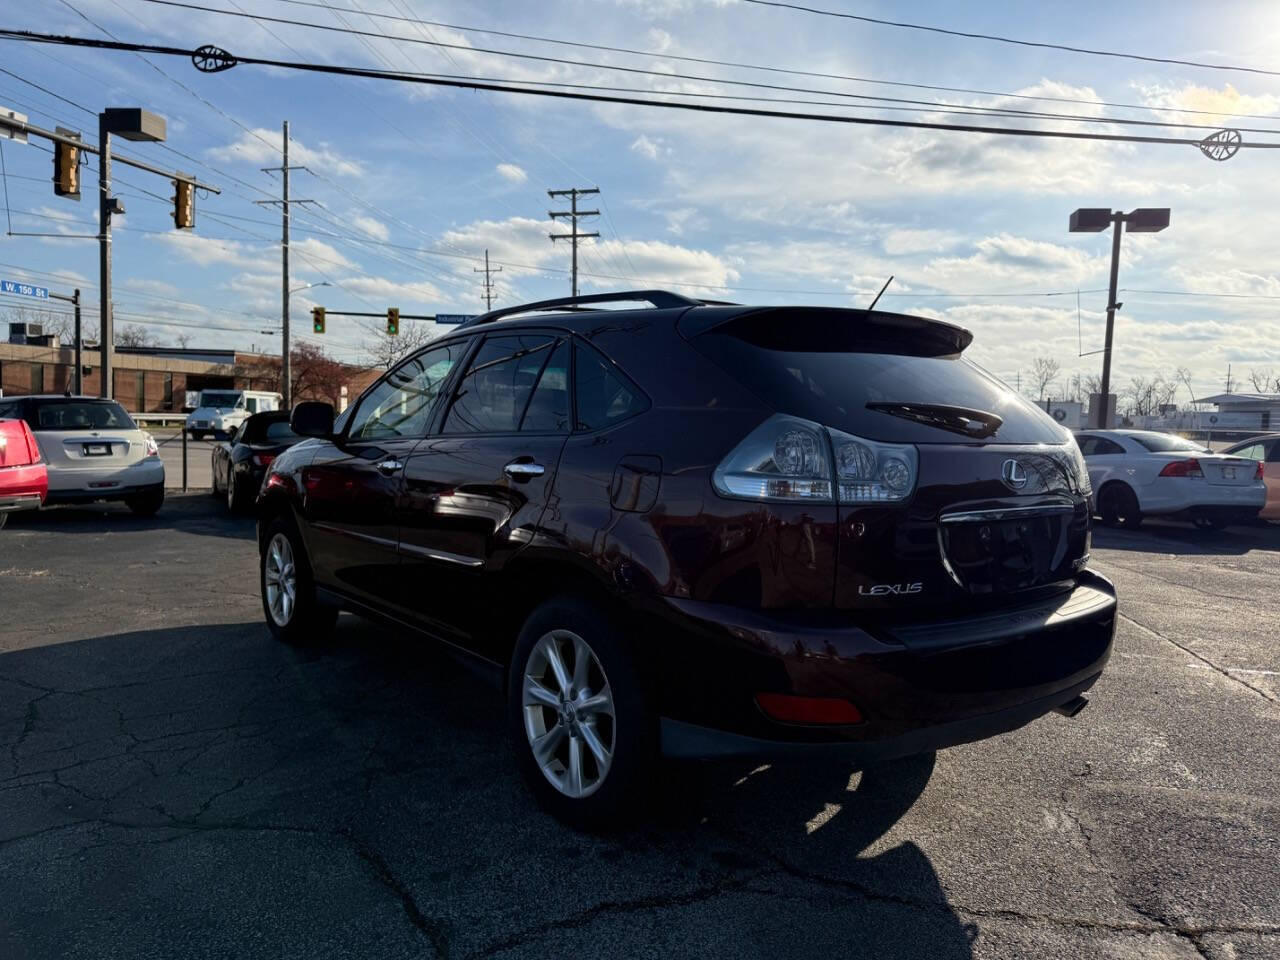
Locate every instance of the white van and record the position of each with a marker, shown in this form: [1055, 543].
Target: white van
[222, 411]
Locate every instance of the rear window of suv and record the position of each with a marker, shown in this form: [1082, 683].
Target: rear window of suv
[72, 414]
[826, 370]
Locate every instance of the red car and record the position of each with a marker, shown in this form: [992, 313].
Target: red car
[24, 478]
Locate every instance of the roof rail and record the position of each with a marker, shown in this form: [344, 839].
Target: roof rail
[660, 299]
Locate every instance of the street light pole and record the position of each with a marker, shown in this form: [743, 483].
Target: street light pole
[1095, 220]
[106, 332]
[286, 369]
[1105, 388]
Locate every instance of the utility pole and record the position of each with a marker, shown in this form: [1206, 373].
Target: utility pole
[286, 367]
[573, 214]
[488, 283]
[74, 300]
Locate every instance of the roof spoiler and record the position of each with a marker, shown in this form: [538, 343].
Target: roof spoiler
[934, 335]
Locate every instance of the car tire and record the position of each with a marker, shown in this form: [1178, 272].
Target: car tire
[292, 609]
[595, 771]
[1118, 507]
[146, 504]
[197, 435]
[235, 495]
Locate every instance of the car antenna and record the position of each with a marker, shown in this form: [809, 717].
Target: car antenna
[881, 293]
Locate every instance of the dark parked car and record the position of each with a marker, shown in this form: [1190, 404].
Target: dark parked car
[702, 530]
[240, 463]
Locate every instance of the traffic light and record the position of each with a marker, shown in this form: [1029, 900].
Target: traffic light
[393, 321]
[66, 167]
[184, 205]
[317, 319]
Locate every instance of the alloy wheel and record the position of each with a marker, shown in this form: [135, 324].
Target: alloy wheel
[280, 579]
[569, 714]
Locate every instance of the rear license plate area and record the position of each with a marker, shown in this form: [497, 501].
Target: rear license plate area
[97, 449]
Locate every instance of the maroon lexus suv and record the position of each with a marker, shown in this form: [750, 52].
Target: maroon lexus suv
[702, 530]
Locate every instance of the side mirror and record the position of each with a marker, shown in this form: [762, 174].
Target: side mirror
[312, 418]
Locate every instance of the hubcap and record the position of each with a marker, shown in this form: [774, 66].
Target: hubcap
[280, 580]
[568, 713]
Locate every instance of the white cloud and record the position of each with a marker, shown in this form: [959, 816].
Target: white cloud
[511, 173]
[262, 146]
[372, 227]
[905, 240]
[647, 147]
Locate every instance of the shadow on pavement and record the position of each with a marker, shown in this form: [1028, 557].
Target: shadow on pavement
[193, 513]
[205, 791]
[1184, 539]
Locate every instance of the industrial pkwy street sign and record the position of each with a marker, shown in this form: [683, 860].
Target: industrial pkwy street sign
[454, 317]
[24, 289]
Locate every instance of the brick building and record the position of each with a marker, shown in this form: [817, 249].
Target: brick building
[158, 379]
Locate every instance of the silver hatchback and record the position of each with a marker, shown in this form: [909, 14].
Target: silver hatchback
[94, 451]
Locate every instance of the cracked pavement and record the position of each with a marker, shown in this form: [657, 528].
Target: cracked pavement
[173, 783]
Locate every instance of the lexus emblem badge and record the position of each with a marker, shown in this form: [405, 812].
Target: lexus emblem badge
[1013, 474]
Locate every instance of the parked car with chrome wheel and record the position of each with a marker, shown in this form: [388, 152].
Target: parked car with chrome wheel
[24, 478]
[702, 530]
[1141, 473]
[1266, 451]
[94, 451]
[240, 463]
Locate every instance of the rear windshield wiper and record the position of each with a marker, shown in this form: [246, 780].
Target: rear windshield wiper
[963, 420]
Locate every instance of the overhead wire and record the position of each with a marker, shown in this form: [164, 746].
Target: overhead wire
[1044, 45]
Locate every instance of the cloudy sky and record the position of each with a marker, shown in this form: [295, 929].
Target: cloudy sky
[411, 184]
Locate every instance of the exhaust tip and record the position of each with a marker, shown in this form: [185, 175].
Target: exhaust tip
[1072, 707]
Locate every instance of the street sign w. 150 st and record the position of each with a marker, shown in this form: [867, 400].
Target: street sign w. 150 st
[23, 289]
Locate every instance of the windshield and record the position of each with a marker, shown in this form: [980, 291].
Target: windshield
[78, 415]
[1167, 443]
[219, 399]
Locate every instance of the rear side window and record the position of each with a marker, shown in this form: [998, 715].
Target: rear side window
[77, 415]
[1251, 452]
[494, 392]
[823, 369]
[1273, 455]
[548, 409]
[1098, 446]
[1166, 443]
[604, 396]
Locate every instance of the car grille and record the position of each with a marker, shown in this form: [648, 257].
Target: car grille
[200, 424]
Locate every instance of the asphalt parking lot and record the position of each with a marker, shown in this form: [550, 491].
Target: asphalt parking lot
[173, 783]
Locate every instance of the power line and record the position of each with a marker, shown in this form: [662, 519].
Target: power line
[1022, 43]
[29, 36]
[442, 46]
[782, 70]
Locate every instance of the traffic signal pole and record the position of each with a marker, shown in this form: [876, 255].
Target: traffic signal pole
[106, 345]
[1118, 221]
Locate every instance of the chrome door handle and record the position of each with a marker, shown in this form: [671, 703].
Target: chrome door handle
[388, 467]
[524, 471]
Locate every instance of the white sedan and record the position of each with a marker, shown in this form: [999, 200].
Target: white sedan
[1138, 473]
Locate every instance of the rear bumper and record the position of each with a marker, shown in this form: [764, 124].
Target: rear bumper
[86, 485]
[919, 686]
[1163, 499]
[23, 488]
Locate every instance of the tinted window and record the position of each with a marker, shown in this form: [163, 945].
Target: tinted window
[220, 399]
[548, 409]
[401, 404]
[1251, 452]
[603, 395]
[259, 431]
[1273, 455]
[493, 394]
[77, 415]
[1166, 443]
[1098, 446]
[830, 375]
[8, 410]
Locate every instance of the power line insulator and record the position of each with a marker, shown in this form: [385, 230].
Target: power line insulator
[1221, 145]
[211, 59]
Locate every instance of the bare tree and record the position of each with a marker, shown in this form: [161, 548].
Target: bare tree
[183, 340]
[1183, 375]
[1145, 397]
[1265, 381]
[134, 335]
[51, 321]
[1091, 384]
[1044, 370]
[383, 350]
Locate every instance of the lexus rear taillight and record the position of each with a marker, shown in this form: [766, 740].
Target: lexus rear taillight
[797, 461]
[1183, 468]
[263, 459]
[830, 711]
